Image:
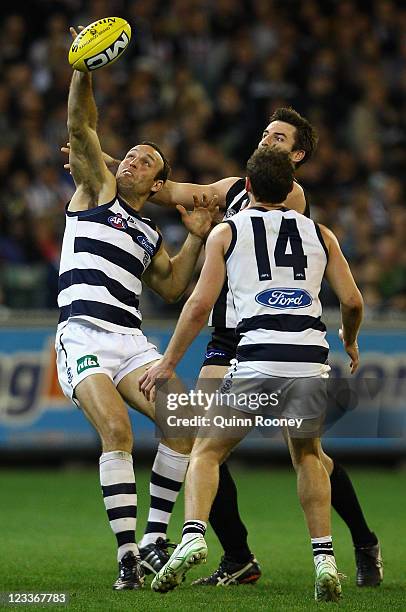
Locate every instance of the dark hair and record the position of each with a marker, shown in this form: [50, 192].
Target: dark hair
[165, 171]
[270, 172]
[306, 137]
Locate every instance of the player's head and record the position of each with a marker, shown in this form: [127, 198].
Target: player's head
[270, 174]
[143, 171]
[291, 132]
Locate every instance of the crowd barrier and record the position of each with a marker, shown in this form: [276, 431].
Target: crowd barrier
[35, 416]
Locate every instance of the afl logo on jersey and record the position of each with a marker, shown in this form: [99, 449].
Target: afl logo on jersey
[281, 298]
[118, 222]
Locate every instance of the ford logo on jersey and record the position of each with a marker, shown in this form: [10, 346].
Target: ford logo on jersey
[282, 298]
[146, 245]
[117, 221]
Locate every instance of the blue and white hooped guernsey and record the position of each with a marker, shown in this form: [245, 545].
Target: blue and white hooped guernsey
[275, 265]
[223, 314]
[105, 251]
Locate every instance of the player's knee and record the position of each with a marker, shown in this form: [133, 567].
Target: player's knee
[303, 451]
[205, 450]
[179, 445]
[117, 436]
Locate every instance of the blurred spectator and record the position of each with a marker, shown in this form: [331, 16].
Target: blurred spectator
[200, 79]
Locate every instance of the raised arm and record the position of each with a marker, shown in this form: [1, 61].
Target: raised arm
[342, 282]
[94, 183]
[173, 193]
[182, 193]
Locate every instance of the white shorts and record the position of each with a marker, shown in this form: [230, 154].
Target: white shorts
[83, 349]
[301, 397]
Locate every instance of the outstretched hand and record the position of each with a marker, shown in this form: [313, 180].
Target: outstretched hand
[199, 222]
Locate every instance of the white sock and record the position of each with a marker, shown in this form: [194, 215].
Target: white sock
[193, 528]
[167, 476]
[120, 498]
[322, 548]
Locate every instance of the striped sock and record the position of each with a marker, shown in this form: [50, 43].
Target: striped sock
[120, 498]
[193, 528]
[168, 474]
[321, 547]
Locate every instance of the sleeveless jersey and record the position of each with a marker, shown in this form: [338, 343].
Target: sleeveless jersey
[223, 313]
[277, 302]
[105, 251]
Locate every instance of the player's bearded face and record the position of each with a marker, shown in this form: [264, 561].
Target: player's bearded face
[280, 135]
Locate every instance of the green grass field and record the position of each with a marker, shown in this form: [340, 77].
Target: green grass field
[55, 538]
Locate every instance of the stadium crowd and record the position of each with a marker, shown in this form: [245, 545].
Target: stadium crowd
[201, 79]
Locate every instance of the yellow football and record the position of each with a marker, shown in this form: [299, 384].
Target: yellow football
[99, 44]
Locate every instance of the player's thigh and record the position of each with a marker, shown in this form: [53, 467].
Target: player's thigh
[128, 388]
[209, 381]
[103, 405]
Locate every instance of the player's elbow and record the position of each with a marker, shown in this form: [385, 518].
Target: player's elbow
[197, 308]
[78, 125]
[353, 303]
[76, 129]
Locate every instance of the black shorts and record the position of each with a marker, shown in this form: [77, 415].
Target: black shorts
[222, 347]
